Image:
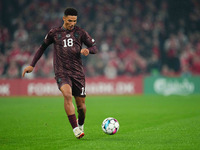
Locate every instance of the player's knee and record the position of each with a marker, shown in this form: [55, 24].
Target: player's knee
[67, 96]
[81, 108]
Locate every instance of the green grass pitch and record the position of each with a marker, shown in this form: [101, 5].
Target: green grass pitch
[146, 123]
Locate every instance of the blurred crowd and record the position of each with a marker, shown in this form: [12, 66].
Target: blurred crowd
[134, 37]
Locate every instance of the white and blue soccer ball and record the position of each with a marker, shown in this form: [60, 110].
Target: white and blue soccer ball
[110, 126]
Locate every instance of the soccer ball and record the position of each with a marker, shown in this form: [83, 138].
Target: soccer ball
[110, 126]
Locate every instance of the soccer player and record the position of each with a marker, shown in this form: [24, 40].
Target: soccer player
[68, 68]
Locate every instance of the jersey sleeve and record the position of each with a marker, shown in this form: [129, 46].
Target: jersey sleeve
[47, 41]
[49, 38]
[90, 43]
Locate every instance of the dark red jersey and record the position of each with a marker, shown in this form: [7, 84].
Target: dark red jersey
[67, 47]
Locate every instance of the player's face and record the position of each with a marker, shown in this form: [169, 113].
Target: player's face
[69, 22]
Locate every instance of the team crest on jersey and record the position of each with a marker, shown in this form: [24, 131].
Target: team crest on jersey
[68, 35]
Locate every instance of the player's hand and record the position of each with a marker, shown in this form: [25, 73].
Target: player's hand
[85, 51]
[27, 70]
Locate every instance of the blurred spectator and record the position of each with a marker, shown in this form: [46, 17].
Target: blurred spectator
[110, 71]
[21, 34]
[2, 65]
[172, 47]
[14, 53]
[186, 57]
[48, 66]
[2, 70]
[13, 70]
[196, 60]
[196, 65]
[4, 38]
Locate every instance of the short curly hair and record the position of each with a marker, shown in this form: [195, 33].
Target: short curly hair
[70, 12]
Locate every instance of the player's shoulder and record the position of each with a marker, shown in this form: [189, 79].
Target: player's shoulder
[55, 29]
[79, 29]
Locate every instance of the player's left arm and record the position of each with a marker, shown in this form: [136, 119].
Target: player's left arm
[90, 43]
[85, 51]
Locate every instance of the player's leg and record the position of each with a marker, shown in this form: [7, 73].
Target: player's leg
[81, 109]
[70, 110]
[68, 104]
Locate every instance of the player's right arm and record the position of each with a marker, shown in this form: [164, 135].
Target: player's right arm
[28, 69]
[47, 41]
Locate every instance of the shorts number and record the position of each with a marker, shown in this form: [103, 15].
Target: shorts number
[68, 42]
[83, 91]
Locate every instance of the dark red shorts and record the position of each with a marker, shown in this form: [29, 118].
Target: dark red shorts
[77, 85]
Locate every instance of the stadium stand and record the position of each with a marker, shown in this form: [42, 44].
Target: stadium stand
[134, 37]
